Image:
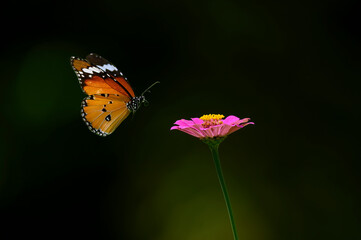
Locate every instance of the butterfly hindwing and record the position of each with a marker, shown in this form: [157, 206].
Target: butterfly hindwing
[104, 112]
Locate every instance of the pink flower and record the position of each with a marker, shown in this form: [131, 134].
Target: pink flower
[211, 126]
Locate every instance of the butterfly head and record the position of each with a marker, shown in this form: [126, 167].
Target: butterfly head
[134, 104]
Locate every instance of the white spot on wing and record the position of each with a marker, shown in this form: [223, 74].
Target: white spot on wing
[90, 70]
[107, 66]
[87, 70]
[95, 69]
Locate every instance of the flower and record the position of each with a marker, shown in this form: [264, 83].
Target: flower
[211, 126]
[212, 129]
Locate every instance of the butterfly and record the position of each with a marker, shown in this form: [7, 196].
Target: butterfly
[110, 97]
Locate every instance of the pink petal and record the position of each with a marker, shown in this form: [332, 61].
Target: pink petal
[235, 128]
[207, 132]
[244, 120]
[190, 131]
[197, 127]
[230, 120]
[245, 124]
[184, 123]
[193, 132]
[190, 127]
[197, 121]
[224, 130]
[216, 130]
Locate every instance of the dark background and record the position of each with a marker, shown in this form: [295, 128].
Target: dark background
[292, 66]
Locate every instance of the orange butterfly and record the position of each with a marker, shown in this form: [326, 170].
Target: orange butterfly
[111, 98]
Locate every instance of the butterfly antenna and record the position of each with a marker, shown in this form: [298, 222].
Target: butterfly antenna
[147, 90]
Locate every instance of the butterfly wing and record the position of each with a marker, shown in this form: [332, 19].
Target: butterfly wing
[111, 71]
[97, 79]
[103, 113]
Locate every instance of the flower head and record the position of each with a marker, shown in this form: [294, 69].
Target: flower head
[211, 126]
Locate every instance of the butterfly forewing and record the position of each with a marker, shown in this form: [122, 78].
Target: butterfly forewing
[103, 64]
[97, 75]
[103, 113]
[78, 65]
[112, 72]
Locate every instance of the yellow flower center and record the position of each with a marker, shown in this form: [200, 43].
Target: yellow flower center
[212, 120]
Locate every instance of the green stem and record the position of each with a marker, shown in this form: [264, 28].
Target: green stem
[215, 154]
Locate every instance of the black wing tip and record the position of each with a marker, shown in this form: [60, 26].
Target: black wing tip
[90, 54]
[93, 55]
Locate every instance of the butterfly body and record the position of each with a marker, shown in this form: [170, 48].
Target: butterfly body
[134, 104]
[110, 97]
